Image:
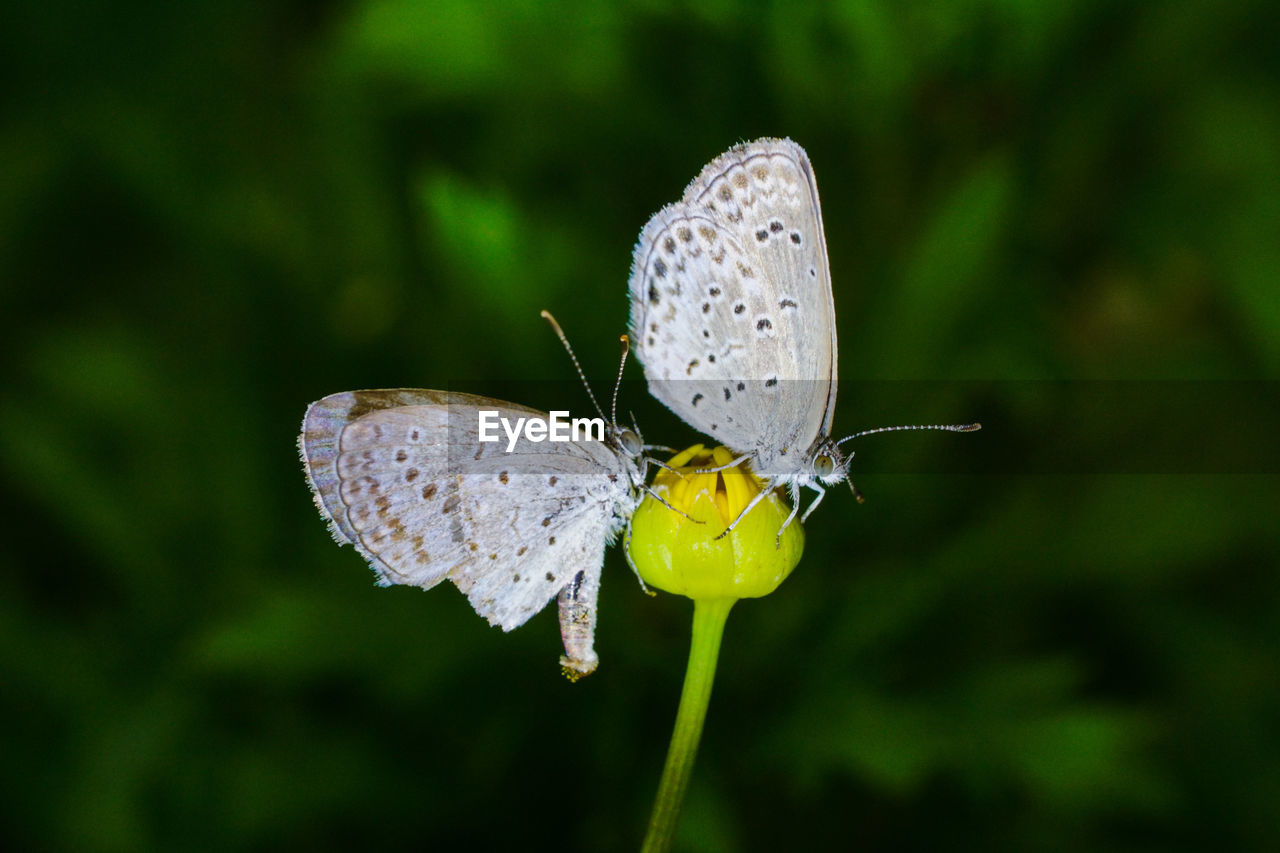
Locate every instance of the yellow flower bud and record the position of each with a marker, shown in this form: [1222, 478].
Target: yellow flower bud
[675, 554]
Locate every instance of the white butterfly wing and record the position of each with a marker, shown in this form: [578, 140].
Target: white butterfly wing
[402, 476]
[731, 305]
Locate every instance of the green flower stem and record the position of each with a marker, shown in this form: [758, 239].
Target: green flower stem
[709, 616]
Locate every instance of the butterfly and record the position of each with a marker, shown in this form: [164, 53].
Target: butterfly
[406, 478]
[734, 321]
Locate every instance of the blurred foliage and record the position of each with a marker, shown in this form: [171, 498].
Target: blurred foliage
[214, 213]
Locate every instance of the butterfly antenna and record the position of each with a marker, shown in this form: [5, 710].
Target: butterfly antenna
[974, 427]
[546, 315]
[943, 427]
[626, 348]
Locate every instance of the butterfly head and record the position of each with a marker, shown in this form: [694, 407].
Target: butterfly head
[628, 440]
[827, 463]
[629, 445]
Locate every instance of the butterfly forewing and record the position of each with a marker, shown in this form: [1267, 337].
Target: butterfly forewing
[732, 310]
[403, 476]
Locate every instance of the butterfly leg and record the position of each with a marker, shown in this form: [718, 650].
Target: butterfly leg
[662, 447]
[759, 497]
[822, 493]
[794, 491]
[626, 549]
[660, 499]
[577, 602]
[658, 463]
[734, 464]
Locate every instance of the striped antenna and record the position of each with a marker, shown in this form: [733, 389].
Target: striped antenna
[546, 315]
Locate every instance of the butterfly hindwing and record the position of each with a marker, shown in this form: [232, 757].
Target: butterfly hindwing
[402, 475]
[732, 310]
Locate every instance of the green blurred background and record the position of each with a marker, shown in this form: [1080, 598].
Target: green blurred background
[213, 213]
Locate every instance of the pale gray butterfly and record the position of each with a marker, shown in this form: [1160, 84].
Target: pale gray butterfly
[404, 477]
[733, 318]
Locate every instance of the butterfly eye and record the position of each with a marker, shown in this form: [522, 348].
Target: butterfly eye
[630, 442]
[823, 466]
